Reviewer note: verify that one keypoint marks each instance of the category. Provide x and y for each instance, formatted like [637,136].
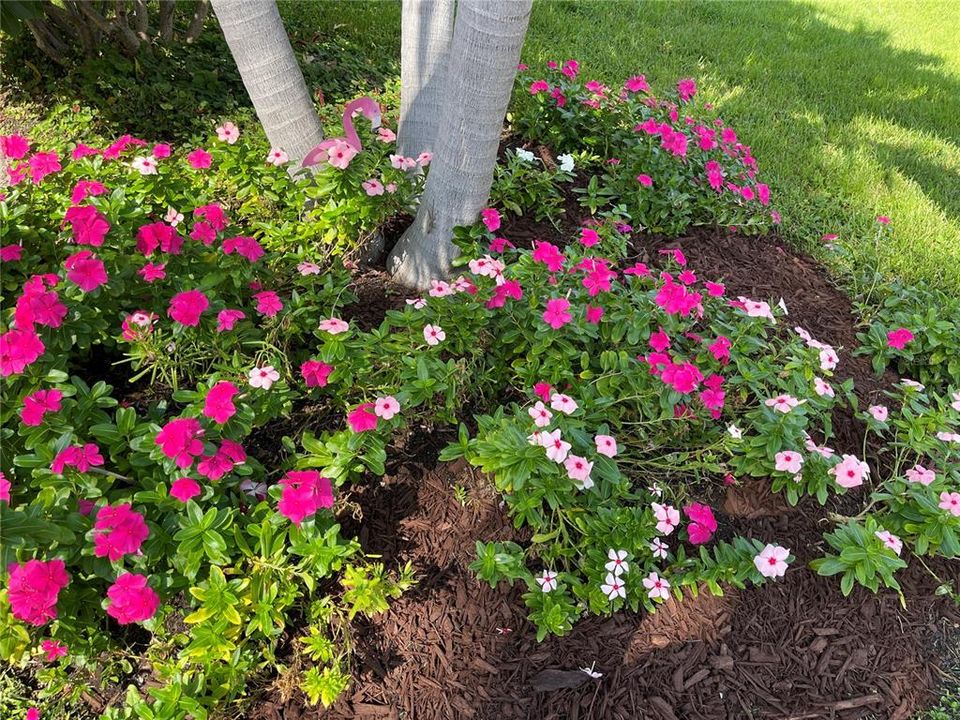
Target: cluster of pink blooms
[304,492]
[366,416]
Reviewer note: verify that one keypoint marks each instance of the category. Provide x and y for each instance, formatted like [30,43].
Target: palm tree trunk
[270,73]
[487,39]
[426,31]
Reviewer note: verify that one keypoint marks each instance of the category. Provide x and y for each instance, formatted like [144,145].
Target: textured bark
[196,22]
[271,75]
[119,29]
[48,41]
[487,39]
[167,8]
[141,19]
[426,32]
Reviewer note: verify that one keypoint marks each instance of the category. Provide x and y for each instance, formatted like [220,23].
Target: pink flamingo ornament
[366,105]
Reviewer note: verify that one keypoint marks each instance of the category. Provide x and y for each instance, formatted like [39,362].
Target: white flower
[735,432]
[563,403]
[263,377]
[659,548]
[144,165]
[783,306]
[656,490]
[434,334]
[658,587]
[547,581]
[524,155]
[566,162]
[618,562]
[591,672]
[541,416]
[613,587]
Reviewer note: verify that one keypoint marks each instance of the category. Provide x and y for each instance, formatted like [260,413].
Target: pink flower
[53,649]
[539,86]
[199,159]
[782,403]
[222,461]
[589,237]
[555,446]
[434,334]
[268,303]
[702,523]
[578,470]
[18,349]
[308,268]
[594,314]
[38,404]
[363,418]
[87,225]
[34,588]
[14,146]
[849,472]
[228,133]
[11,253]
[81,151]
[227,319]
[789,461]
[638,83]
[386,135]
[686,89]
[81,457]
[424,158]
[950,501]
[772,561]
[334,326]
[563,403]
[138,325]
[543,390]
[304,492]
[85,270]
[889,540]
[822,388]
[158,234]
[341,153]
[184,488]
[402,163]
[549,255]
[118,531]
[315,373]
[828,358]
[899,338]
[878,412]
[668,517]
[645,180]
[606,445]
[756,308]
[491,218]
[180,440]
[541,416]
[187,307]
[85,188]
[557,313]
[42,164]
[151,272]
[658,588]
[386,407]
[131,599]
[263,377]
[883,219]
[570,69]
[218,405]
[920,474]
[372,187]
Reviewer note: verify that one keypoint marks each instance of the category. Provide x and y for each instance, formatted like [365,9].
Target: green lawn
[852,108]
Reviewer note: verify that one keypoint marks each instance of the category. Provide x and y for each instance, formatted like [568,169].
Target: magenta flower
[549,255]
[87,225]
[539,86]
[132,599]
[557,313]
[85,188]
[11,253]
[686,89]
[248,247]
[159,234]
[491,218]
[645,180]
[184,488]
[570,69]
[215,466]
[227,319]
[118,531]
[85,270]
[304,492]
[268,303]
[883,219]
[151,272]
[53,649]
[594,314]
[42,164]
[34,588]
[38,404]
[18,349]
[80,457]
[14,146]
[589,237]
[180,440]
[898,338]
[218,405]
[199,159]
[315,373]
[702,523]
[186,307]
[363,418]
[638,83]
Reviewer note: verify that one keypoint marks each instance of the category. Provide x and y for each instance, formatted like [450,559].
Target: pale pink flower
[822,388]
[890,540]
[228,133]
[618,564]
[948,436]
[956,401]
[756,308]
[424,158]
[613,588]
[606,445]
[668,517]
[372,187]
[878,412]
[434,334]
[386,135]
[828,358]
[144,165]
[547,581]
[391,188]
[920,474]
[789,461]
[173,218]
[556,447]
[804,335]
[308,268]
[418,303]
[277,156]
[659,548]
[263,377]
[563,403]
[821,450]
[849,472]
[440,288]
[334,326]
[782,403]
[950,501]
[919,387]
[541,416]
[402,163]
[578,470]
[658,588]
[772,561]
[386,407]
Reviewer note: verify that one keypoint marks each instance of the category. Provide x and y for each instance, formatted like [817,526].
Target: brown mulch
[795,649]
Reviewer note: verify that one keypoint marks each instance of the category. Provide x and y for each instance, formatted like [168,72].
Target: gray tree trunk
[487,39]
[426,32]
[271,75]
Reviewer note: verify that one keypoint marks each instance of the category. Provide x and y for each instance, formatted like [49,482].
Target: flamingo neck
[369,108]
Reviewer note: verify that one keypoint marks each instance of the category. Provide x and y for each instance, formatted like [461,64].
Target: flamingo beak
[313,157]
